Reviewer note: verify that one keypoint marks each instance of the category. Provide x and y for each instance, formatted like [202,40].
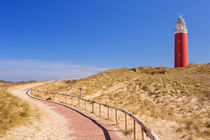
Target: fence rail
[144,129]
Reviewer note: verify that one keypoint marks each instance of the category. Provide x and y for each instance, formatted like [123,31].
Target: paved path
[83,126]
[49,126]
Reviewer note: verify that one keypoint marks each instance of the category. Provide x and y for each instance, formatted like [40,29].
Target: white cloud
[19,70]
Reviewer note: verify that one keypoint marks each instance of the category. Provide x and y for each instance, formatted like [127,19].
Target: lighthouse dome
[180,19]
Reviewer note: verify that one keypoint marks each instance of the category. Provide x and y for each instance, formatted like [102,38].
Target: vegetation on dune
[13,111]
[180,95]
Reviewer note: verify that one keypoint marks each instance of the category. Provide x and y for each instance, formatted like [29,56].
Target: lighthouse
[180,43]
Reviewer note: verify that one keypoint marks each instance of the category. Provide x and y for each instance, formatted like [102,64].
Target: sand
[49,126]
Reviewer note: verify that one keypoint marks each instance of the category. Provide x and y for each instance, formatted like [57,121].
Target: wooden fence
[75,100]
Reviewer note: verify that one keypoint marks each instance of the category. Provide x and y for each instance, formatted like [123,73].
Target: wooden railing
[64,98]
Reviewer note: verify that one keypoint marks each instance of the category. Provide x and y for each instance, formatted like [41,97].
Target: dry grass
[179,96]
[13,111]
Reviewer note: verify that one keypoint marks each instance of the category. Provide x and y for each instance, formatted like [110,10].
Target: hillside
[174,103]
[13,111]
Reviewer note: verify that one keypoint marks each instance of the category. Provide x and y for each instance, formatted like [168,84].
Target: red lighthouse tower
[180,44]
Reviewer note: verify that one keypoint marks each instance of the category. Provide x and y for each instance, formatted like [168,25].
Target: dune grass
[180,95]
[13,111]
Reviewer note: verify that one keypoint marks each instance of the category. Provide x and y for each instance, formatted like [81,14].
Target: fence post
[108,112]
[66,99]
[85,104]
[134,129]
[92,107]
[100,110]
[142,133]
[78,102]
[126,122]
[116,116]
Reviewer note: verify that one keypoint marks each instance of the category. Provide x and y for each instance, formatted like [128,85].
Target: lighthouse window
[178,41]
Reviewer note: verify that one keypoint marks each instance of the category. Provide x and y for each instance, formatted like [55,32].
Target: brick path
[83,125]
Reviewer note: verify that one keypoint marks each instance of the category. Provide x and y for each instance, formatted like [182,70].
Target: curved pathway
[82,125]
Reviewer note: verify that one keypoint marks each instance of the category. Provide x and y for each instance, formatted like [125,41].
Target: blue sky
[64,39]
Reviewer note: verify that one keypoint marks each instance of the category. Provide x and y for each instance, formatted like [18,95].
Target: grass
[13,111]
[178,95]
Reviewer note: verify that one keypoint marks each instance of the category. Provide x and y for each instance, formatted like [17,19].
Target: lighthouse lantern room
[180,43]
